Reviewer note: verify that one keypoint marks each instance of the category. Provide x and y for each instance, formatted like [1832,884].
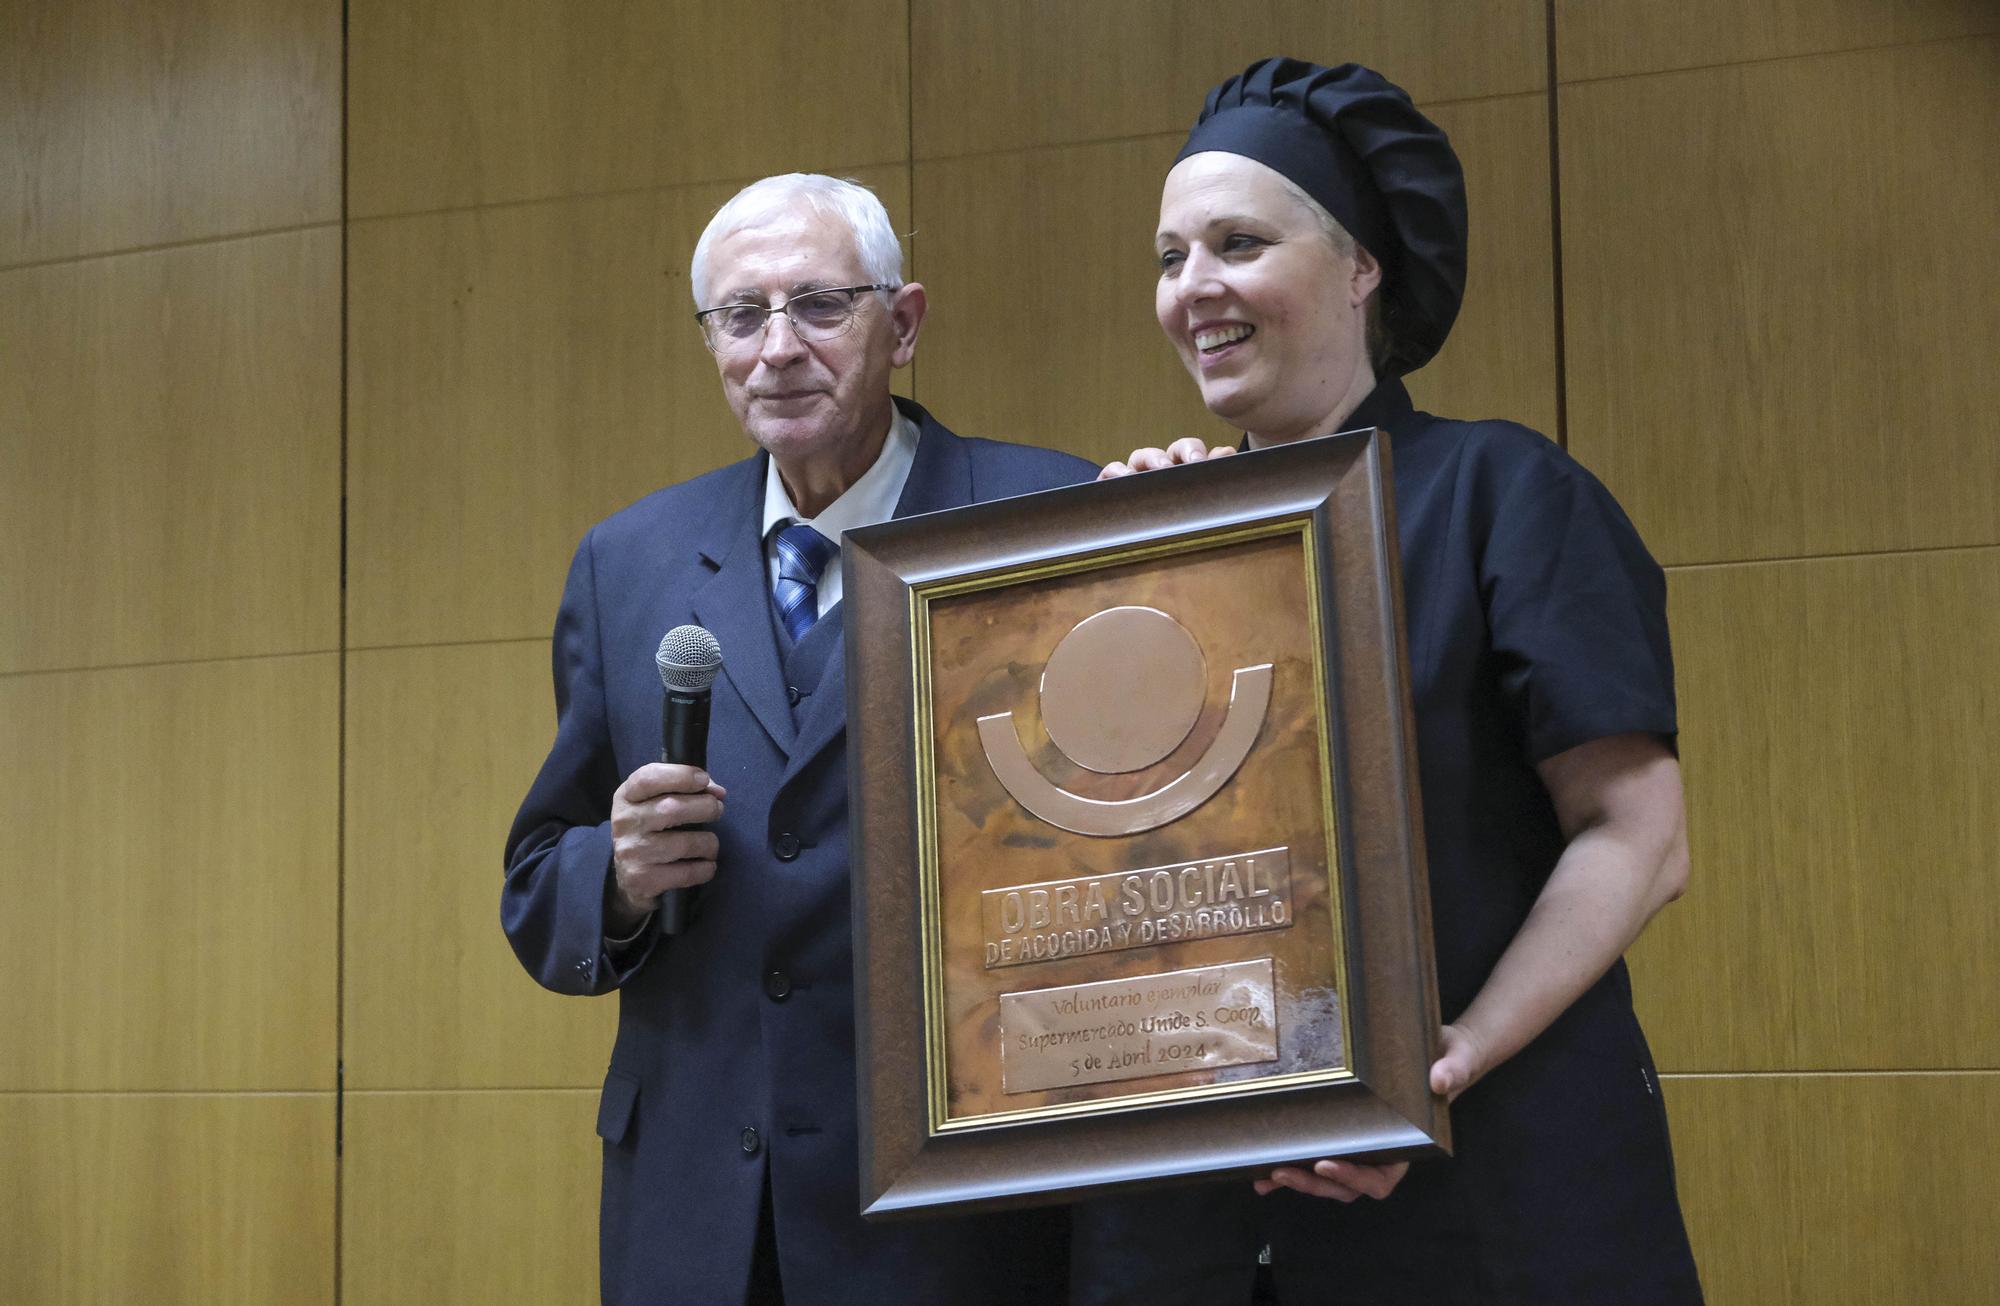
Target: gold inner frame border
[921,594]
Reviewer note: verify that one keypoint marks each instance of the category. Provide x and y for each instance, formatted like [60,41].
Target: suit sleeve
[559,850]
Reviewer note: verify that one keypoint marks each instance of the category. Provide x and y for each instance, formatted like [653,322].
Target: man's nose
[781,342]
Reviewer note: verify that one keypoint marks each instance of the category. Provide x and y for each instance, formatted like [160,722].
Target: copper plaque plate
[1103,877]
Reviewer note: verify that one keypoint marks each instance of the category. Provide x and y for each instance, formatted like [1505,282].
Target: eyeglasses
[816,315]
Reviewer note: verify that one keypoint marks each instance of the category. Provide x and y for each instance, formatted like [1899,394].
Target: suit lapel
[735,604]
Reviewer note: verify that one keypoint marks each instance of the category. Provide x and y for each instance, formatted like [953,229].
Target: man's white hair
[833,197]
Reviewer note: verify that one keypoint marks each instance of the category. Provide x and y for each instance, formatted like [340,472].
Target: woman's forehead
[1214,186]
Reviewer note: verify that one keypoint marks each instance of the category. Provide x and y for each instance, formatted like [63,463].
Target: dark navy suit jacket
[735,1049]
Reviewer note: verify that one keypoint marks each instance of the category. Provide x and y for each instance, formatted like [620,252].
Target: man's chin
[786,436]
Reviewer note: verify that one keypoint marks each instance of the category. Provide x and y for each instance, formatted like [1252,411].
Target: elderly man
[728,1113]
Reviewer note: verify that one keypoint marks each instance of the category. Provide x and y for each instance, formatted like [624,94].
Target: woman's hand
[1461,1066]
[1343,1181]
[1464,1063]
[1188,449]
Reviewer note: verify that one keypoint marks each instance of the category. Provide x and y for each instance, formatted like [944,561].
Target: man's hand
[652,851]
[1185,450]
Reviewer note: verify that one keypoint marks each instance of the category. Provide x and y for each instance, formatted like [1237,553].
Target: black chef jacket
[1537,622]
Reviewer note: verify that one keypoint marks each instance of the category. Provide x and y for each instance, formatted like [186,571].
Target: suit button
[786,847]
[778,986]
[752,1144]
[792,695]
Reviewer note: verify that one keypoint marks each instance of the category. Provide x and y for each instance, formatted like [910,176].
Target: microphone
[688,659]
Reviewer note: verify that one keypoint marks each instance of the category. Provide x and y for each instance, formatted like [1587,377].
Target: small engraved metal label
[1199,1019]
[1238,893]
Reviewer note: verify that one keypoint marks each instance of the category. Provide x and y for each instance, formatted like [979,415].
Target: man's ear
[906,317]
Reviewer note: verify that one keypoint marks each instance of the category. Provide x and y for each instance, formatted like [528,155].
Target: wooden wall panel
[1500,360]
[1617,38]
[470,102]
[470,1197]
[1042,326]
[195,1199]
[1847,1190]
[993,77]
[1782,306]
[1041,323]
[170,873]
[441,746]
[169,423]
[144,124]
[1838,726]
[515,374]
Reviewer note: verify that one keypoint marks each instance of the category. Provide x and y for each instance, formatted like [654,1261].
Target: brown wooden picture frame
[1328,503]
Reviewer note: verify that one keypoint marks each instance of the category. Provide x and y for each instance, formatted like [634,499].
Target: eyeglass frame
[854,293]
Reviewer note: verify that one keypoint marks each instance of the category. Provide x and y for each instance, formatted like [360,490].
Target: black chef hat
[1354,142]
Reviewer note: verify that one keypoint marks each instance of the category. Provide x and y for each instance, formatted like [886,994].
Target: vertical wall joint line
[340,727]
[1555,232]
[910,147]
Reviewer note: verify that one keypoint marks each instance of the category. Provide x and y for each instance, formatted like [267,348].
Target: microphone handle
[683,739]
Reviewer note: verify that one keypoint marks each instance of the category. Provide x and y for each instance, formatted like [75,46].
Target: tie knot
[803,553]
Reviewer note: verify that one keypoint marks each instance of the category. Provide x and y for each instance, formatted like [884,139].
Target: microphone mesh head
[688,659]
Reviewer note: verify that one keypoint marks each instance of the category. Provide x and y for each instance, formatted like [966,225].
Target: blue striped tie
[802,555]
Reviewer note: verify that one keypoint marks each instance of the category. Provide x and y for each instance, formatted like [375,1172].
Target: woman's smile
[1217,341]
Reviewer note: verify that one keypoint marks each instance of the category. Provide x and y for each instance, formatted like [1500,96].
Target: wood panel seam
[459,1090]
[340,724]
[1550,80]
[1969,1072]
[1177,134]
[1718,564]
[910,154]
[164,247]
[1962,38]
[22,673]
[11,1093]
[448,643]
[620,192]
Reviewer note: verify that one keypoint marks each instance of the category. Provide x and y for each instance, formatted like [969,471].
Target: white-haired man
[728,1114]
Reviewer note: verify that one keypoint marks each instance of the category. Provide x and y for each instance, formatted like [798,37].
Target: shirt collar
[1386,406]
[869,500]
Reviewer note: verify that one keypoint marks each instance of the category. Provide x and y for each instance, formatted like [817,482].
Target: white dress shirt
[869,500]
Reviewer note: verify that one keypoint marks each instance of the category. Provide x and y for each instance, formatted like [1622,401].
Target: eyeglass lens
[818,312]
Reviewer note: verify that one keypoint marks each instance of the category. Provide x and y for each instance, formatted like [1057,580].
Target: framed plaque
[1139,887]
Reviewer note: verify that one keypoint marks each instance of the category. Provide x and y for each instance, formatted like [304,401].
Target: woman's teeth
[1217,337]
